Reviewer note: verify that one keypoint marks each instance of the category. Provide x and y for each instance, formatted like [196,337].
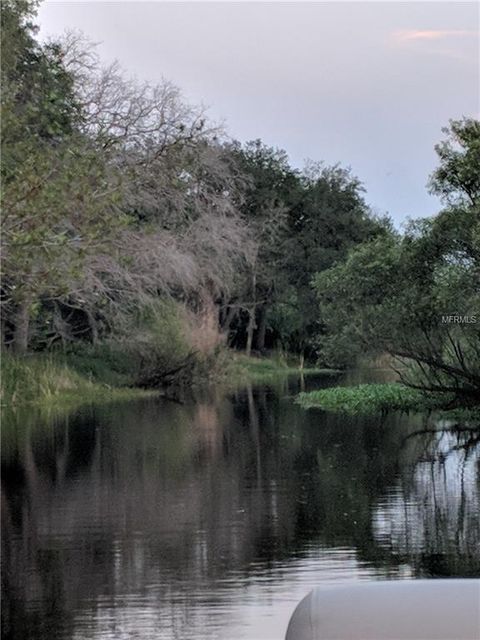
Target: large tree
[302,223]
[417,296]
[57,199]
[115,193]
[330,218]
[270,191]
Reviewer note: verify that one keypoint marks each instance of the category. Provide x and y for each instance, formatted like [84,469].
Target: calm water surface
[212,519]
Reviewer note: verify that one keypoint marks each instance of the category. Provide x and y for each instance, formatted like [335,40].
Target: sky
[366,84]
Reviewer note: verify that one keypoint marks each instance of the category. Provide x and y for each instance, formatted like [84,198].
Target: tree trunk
[262,328]
[250,330]
[302,361]
[93,327]
[22,327]
[227,321]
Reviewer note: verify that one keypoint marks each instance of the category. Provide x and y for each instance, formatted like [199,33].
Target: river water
[211,519]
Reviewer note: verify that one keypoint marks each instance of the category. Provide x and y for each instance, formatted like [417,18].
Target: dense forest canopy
[132,221]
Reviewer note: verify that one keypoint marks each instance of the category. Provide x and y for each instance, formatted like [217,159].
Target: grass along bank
[164,347]
[106,372]
[256,369]
[44,379]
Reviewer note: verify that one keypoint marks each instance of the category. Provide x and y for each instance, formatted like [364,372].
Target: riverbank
[71,380]
[49,379]
[245,369]
[104,375]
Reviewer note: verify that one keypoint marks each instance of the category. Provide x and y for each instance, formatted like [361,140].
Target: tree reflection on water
[206,510]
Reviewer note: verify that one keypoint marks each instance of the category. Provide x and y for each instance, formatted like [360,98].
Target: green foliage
[258,369]
[286,319]
[157,345]
[457,179]
[44,379]
[355,296]
[244,369]
[59,197]
[32,378]
[367,399]
[164,324]
[124,217]
[416,296]
[104,363]
[392,295]
[331,219]
[55,217]
[38,102]
[271,192]
[154,347]
[303,223]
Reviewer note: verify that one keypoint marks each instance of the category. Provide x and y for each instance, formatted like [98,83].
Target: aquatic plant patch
[370,398]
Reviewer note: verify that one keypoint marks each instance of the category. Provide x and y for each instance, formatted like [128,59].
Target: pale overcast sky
[366,84]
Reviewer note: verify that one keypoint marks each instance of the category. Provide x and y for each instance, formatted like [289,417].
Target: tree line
[416,295]
[130,218]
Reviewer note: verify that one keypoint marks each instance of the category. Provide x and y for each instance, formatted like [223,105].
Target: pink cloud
[407,35]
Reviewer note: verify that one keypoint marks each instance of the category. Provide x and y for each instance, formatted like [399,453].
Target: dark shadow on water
[212,518]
